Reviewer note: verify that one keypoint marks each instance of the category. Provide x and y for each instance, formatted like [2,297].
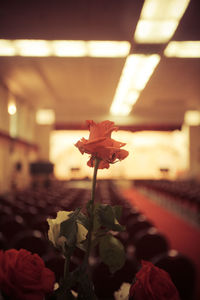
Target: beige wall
[20,148]
[42,139]
[4,118]
[194,151]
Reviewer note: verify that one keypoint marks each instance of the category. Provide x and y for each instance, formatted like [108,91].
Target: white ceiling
[83,88]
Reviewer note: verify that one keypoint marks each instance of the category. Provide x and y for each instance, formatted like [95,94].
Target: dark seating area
[23,225]
[183,196]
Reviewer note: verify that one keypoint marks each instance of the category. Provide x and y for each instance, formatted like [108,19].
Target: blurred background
[133,62]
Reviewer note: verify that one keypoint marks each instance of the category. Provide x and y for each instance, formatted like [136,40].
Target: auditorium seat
[3,242]
[149,243]
[31,240]
[12,225]
[5,210]
[181,270]
[134,225]
[128,213]
[40,223]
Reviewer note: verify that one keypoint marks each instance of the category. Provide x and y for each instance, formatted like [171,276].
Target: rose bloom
[100,145]
[123,292]
[54,230]
[23,275]
[153,283]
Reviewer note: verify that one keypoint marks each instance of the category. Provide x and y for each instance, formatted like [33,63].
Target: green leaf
[69,230]
[117,211]
[112,252]
[107,218]
[82,219]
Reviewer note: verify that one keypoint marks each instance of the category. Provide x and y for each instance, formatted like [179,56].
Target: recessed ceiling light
[45,116]
[192,117]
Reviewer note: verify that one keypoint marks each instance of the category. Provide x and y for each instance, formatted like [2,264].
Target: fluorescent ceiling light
[164,9]
[32,47]
[138,69]
[64,48]
[123,106]
[45,116]
[108,48]
[69,48]
[183,49]
[159,20]
[192,117]
[6,48]
[148,31]
[136,72]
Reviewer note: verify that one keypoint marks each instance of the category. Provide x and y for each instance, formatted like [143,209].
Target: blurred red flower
[153,283]
[101,145]
[23,275]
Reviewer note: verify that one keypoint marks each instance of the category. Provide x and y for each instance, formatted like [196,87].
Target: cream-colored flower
[123,292]
[54,230]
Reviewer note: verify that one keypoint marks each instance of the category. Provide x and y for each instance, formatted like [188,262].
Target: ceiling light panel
[184,49]
[159,20]
[69,48]
[155,32]
[108,48]
[135,75]
[32,47]
[164,9]
[7,48]
[64,48]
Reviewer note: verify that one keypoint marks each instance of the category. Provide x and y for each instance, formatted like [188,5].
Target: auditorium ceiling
[80,88]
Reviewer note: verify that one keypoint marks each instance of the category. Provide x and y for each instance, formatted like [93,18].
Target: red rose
[23,275]
[153,283]
[100,145]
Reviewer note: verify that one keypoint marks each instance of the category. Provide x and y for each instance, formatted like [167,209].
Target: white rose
[54,230]
[123,292]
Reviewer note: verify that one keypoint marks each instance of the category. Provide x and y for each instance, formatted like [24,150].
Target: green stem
[66,269]
[90,229]
[97,161]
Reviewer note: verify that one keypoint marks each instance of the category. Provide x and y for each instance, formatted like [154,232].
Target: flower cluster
[23,276]
[152,283]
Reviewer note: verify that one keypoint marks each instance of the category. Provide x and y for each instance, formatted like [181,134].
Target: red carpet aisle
[182,236]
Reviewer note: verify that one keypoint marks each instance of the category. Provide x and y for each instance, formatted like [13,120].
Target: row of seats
[23,225]
[183,197]
[184,191]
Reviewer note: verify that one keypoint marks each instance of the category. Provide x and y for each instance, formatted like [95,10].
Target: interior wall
[194,158]
[18,150]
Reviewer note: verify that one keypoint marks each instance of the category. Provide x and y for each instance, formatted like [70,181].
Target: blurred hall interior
[133,62]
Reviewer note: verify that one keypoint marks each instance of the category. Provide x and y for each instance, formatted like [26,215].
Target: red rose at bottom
[23,276]
[153,283]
